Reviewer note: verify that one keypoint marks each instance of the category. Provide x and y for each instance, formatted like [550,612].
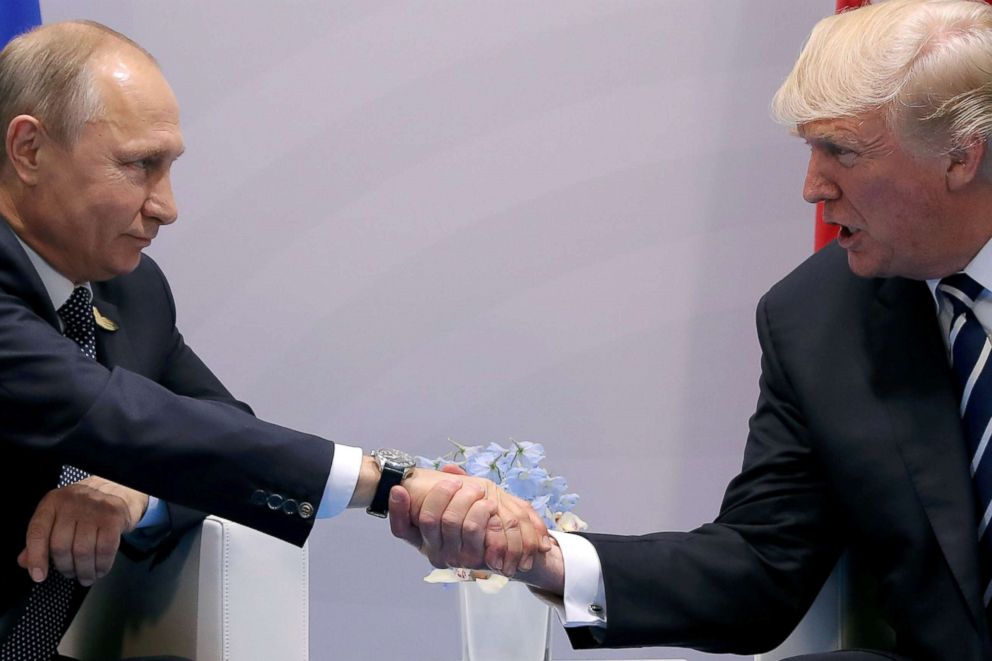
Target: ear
[24,139]
[965,164]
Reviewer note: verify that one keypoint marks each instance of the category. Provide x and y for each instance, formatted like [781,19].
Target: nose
[160,204]
[818,186]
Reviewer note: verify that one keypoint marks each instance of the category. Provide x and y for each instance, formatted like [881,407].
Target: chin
[122,267]
[861,265]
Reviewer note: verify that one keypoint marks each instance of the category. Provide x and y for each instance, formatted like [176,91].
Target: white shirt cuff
[341,482]
[584,602]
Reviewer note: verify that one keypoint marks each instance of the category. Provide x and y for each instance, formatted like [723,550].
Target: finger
[107,543]
[511,520]
[60,545]
[495,543]
[453,518]
[474,533]
[37,540]
[453,469]
[544,544]
[84,553]
[429,522]
[531,532]
[400,522]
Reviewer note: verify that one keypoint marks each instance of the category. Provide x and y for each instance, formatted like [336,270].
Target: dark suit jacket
[148,414]
[856,443]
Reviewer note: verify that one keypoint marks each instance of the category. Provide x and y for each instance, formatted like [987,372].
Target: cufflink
[596,610]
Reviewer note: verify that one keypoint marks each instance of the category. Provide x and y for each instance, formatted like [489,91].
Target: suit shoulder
[822,281]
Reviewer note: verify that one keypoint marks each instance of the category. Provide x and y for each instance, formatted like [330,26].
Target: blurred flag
[824,233]
[17,16]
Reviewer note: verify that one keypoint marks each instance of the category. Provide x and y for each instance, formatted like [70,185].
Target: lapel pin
[103,322]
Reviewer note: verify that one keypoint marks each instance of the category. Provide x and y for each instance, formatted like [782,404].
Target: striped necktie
[51,603]
[970,351]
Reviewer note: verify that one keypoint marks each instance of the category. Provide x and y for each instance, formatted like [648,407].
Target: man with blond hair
[95,378]
[875,409]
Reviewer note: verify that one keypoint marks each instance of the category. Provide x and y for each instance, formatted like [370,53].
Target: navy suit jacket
[148,414]
[856,444]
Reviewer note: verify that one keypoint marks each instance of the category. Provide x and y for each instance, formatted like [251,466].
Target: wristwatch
[395,465]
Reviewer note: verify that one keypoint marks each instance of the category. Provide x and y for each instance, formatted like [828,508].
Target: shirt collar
[979,269]
[57,286]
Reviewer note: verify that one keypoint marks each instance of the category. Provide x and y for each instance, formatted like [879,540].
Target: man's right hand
[79,528]
[461,521]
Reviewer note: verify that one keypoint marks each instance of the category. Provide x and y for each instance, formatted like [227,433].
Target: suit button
[306,510]
[274,501]
[258,498]
[289,507]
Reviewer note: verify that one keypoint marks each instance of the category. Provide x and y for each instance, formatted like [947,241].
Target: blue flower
[486,463]
[567,502]
[516,470]
[526,483]
[526,454]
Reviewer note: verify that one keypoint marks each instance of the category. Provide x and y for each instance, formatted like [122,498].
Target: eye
[844,156]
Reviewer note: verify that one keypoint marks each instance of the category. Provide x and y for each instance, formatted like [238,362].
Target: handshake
[461,521]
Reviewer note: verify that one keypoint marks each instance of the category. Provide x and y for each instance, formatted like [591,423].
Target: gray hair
[927,64]
[45,73]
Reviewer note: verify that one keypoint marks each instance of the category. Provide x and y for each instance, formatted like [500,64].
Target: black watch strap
[391,476]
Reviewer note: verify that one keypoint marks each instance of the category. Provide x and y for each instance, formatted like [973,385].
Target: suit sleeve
[194,451]
[741,583]
[183,373]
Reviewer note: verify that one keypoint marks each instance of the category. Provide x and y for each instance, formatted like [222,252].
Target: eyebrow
[150,154]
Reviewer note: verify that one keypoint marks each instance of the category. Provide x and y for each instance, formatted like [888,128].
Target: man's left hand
[79,527]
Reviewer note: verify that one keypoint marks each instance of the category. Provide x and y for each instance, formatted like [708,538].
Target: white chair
[844,615]
[226,593]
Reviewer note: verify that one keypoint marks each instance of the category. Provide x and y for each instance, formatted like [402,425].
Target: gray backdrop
[407,221]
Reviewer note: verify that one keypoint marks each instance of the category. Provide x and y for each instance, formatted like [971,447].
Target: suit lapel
[913,379]
[18,277]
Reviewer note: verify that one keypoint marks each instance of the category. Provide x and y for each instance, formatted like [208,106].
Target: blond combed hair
[927,64]
[44,73]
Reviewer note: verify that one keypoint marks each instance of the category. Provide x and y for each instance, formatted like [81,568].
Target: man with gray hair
[872,428]
[95,378]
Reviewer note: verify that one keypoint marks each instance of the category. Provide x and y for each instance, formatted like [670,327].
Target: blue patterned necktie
[970,351]
[36,635]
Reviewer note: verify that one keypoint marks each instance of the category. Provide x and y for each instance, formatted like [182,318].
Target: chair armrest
[225,592]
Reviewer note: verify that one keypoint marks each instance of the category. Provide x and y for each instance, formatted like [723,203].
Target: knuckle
[60,548]
[428,520]
[449,520]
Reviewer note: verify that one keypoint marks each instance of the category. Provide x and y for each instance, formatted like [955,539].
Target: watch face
[396,458]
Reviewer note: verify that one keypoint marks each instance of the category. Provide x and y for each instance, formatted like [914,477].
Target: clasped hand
[461,521]
[79,528]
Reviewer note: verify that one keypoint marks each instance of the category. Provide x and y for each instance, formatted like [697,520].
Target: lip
[145,242]
[846,239]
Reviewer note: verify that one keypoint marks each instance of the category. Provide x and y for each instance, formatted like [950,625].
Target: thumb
[453,469]
[400,523]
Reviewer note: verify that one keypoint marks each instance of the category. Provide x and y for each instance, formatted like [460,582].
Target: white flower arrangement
[515,469]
